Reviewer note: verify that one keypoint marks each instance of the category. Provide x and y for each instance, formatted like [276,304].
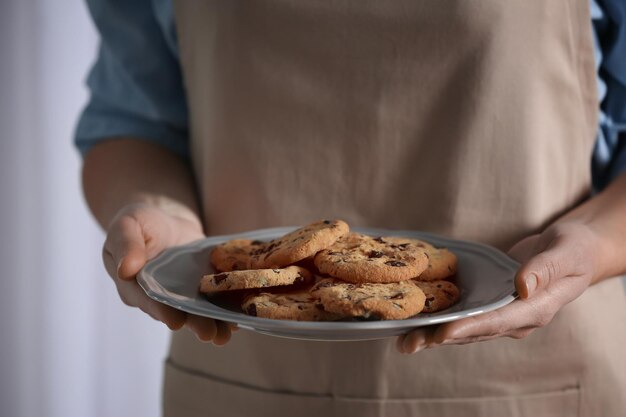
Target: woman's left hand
[557,266]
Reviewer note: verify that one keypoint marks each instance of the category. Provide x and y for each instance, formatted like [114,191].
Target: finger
[133,295]
[172,318]
[559,260]
[126,245]
[466,340]
[413,342]
[514,334]
[204,328]
[418,339]
[520,314]
[426,338]
[521,333]
[488,324]
[223,334]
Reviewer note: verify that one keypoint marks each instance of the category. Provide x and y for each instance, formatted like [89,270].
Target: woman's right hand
[138,233]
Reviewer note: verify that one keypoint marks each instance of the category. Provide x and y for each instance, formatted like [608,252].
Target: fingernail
[414,342]
[196,333]
[119,266]
[202,339]
[417,349]
[531,284]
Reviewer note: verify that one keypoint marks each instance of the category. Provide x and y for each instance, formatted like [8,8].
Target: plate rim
[155,290]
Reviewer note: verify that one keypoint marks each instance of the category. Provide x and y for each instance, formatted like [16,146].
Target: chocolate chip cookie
[299,244]
[441,262]
[257,278]
[297,305]
[234,255]
[394,301]
[358,258]
[439,295]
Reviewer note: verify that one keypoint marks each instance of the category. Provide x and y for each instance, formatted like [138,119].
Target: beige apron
[473,119]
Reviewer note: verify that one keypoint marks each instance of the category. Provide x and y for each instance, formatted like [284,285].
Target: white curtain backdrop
[68,346]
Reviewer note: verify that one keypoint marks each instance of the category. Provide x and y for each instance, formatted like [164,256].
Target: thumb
[126,248]
[545,267]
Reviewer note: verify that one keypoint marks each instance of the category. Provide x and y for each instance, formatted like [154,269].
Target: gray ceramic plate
[485,276]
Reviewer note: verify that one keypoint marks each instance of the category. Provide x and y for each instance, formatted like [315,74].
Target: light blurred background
[68,346]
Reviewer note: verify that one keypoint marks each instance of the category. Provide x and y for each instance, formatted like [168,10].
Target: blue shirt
[136,82]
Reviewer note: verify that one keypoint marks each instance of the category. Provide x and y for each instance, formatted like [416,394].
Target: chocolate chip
[375,254]
[256,242]
[379,239]
[429,300]
[277,271]
[334,253]
[300,307]
[220,277]
[395,263]
[251,310]
[270,247]
[398,296]
[319,306]
[299,278]
[327,222]
[257,252]
[404,245]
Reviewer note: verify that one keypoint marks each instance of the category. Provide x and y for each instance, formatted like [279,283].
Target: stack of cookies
[323,272]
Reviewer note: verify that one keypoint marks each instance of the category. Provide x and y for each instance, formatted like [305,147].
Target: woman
[475,120]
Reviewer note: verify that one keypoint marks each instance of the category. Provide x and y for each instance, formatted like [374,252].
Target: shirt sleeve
[135,83]
[609,23]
